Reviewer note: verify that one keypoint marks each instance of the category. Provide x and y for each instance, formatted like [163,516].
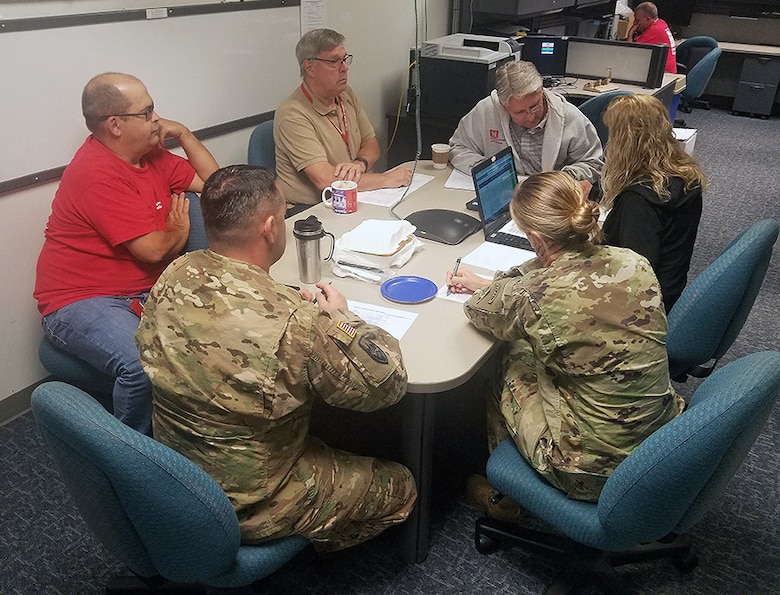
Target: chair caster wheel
[486,545]
[685,563]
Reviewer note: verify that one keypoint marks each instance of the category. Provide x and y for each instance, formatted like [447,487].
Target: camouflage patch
[373,350]
[347,329]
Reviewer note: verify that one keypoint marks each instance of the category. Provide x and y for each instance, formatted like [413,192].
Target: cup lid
[309,226]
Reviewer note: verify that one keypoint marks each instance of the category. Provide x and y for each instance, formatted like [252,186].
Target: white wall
[379,33]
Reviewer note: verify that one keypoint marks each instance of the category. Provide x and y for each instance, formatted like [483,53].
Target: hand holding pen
[461,280]
[454,272]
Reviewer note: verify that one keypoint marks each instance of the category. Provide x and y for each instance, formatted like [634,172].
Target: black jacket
[663,231]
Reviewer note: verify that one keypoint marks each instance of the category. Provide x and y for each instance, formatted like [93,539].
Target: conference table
[441,350]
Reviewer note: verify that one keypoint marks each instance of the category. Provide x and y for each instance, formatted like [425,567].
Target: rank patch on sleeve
[347,329]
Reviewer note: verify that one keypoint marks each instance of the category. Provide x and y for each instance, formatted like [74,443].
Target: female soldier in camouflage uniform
[584,375]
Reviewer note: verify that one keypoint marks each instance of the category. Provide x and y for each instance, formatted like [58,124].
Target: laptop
[495,180]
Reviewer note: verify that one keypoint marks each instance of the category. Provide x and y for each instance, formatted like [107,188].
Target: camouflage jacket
[587,334]
[235,360]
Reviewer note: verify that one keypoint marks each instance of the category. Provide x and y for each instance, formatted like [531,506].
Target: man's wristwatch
[363,161]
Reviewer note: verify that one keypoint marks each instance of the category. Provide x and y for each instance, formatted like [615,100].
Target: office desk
[748,73]
[437,130]
[441,350]
[671,85]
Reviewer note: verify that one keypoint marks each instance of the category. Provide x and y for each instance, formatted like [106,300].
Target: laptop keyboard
[508,239]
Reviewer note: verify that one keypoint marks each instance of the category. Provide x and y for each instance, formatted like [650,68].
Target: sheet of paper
[395,322]
[387,197]
[313,15]
[495,257]
[459,181]
[457,297]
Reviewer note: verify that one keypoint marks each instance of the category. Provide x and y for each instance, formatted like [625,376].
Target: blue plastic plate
[409,289]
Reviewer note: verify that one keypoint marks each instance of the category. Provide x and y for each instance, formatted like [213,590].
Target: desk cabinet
[757,85]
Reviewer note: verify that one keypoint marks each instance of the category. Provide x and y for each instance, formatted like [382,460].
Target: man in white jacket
[545,131]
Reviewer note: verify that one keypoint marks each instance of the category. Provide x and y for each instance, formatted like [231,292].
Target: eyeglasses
[531,111]
[145,114]
[336,62]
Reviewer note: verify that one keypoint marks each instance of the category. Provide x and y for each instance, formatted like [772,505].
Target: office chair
[696,80]
[709,314]
[73,370]
[262,152]
[68,368]
[261,146]
[197,239]
[693,49]
[654,496]
[152,508]
[594,108]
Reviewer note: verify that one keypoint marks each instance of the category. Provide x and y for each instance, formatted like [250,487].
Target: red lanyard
[344,135]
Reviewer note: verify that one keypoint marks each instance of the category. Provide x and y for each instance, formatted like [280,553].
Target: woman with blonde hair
[653,188]
[583,374]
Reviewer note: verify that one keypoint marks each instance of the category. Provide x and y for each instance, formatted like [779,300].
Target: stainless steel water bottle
[308,233]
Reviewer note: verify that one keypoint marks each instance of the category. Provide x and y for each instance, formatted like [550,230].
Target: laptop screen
[495,179]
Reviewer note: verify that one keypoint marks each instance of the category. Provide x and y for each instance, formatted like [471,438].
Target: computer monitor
[630,63]
[547,53]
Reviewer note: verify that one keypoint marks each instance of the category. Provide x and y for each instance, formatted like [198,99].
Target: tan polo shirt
[305,134]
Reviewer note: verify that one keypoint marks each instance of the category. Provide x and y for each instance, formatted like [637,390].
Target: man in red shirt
[118,218]
[651,29]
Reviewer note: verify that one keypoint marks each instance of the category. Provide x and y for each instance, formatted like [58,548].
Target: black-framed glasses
[145,114]
[336,62]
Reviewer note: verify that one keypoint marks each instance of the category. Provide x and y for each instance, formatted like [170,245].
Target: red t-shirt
[103,201]
[659,32]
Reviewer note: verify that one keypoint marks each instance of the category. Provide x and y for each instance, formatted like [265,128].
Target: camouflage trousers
[352,498]
[515,408]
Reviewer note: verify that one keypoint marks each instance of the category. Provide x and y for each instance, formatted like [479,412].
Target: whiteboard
[201,70]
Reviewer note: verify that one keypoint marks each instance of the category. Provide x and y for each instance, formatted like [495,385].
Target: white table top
[441,350]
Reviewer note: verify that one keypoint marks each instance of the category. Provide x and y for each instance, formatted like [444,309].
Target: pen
[454,272]
[355,265]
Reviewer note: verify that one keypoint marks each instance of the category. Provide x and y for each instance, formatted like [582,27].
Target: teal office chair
[709,314]
[653,497]
[594,108]
[693,49]
[262,152]
[696,80]
[152,508]
[261,149]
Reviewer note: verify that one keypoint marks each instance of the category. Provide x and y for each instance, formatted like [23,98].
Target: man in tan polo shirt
[321,131]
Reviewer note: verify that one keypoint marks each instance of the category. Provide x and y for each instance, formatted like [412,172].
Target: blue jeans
[101,331]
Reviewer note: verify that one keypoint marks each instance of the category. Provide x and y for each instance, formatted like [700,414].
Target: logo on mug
[341,196]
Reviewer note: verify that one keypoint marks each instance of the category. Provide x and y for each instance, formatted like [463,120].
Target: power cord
[416,77]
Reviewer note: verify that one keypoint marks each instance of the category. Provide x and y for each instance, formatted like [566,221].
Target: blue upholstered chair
[653,497]
[693,49]
[699,72]
[152,508]
[197,239]
[261,146]
[594,108]
[709,315]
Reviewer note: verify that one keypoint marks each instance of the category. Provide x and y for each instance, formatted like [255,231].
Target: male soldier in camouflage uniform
[584,377]
[236,360]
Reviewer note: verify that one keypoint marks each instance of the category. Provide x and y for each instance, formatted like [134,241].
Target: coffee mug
[343,196]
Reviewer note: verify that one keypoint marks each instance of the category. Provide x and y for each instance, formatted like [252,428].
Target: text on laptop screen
[496,185]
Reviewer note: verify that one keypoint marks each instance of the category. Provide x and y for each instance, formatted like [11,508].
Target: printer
[458,70]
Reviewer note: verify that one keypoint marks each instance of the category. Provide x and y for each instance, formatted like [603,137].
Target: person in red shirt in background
[648,28]
[118,218]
